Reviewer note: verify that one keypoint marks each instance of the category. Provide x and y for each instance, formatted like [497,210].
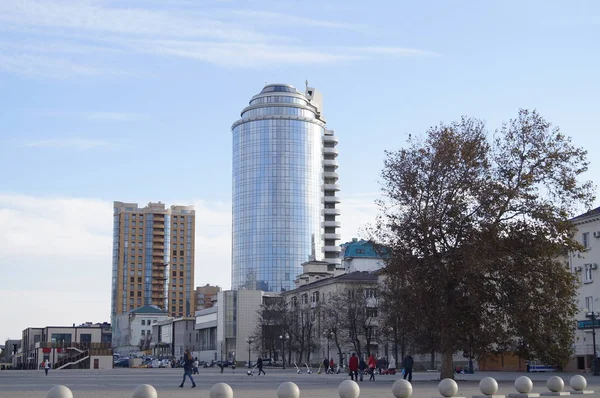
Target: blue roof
[360,248]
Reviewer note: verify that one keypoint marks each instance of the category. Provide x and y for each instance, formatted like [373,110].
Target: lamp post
[593,316]
[249,340]
[283,338]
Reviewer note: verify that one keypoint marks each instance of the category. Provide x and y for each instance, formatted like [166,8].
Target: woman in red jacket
[372,365]
[353,365]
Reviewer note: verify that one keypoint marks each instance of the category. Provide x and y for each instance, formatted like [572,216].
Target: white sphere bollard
[555,384]
[578,383]
[59,392]
[221,390]
[349,389]
[145,391]
[488,386]
[523,384]
[288,390]
[402,389]
[448,388]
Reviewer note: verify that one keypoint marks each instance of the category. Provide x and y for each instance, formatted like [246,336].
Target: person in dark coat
[408,366]
[362,366]
[325,366]
[259,365]
[187,368]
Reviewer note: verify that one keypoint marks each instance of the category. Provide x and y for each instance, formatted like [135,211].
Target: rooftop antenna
[306,82]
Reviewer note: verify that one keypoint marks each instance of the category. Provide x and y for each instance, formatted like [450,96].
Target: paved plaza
[121,383]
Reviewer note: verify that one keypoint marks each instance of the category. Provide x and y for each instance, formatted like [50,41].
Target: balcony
[331,174]
[332,249]
[332,212]
[161,276]
[332,236]
[158,239]
[331,187]
[330,151]
[331,199]
[334,224]
[331,163]
[330,138]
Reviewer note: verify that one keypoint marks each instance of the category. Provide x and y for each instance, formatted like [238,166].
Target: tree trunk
[447,369]
[432,360]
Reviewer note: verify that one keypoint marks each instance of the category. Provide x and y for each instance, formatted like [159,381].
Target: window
[585,239]
[143,322]
[139,294]
[360,251]
[370,293]
[305,299]
[315,297]
[588,276]
[131,294]
[132,279]
[143,332]
[85,338]
[371,312]
[294,302]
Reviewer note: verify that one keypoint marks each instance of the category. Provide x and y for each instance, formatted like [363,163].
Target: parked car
[122,362]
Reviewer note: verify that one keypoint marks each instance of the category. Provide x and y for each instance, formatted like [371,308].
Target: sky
[133,100]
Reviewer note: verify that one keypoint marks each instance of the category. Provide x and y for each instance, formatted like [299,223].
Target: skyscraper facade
[153,258]
[284,189]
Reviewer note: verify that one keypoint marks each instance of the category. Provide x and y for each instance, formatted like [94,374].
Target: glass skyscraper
[284,189]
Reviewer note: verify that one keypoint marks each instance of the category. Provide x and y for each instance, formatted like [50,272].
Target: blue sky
[133,100]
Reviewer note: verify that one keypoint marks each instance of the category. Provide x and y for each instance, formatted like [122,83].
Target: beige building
[317,284]
[205,296]
[86,346]
[153,258]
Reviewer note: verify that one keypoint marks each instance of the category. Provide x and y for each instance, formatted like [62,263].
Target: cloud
[114,116]
[60,38]
[78,144]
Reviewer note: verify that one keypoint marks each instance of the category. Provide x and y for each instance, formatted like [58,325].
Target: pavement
[120,383]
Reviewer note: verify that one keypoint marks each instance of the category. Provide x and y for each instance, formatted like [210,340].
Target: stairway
[76,357]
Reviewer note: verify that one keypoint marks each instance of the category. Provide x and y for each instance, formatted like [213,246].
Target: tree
[476,227]
[333,324]
[360,320]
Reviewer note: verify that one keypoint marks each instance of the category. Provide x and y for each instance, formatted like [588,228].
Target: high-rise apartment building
[205,295]
[284,189]
[153,258]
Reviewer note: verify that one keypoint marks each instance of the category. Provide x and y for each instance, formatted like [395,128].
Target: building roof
[147,309]
[360,248]
[352,277]
[593,212]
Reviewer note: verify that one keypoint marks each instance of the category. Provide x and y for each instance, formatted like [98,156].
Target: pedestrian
[408,365]
[331,366]
[353,366]
[187,368]
[259,365]
[196,364]
[326,366]
[47,366]
[372,362]
[362,366]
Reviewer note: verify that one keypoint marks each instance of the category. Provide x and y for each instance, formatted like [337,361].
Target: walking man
[353,366]
[46,366]
[408,365]
[259,365]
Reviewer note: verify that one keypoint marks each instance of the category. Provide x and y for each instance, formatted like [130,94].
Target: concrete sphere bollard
[349,389]
[488,386]
[221,390]
[523,384]
[402,389]
[145,391]
[59,392]
[555,384]
[578,383]
[448,388]
[288,390]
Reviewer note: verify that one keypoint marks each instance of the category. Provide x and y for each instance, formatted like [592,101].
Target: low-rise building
[585,266]
[171,337]
[133,330]
[206,329]
[9,351]
[67,347]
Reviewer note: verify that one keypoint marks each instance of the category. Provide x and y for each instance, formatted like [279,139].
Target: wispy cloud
[62,38]
[79,144]
[114,116]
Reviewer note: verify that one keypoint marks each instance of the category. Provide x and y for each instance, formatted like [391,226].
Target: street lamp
[249,340]
[283,338]
[593,316]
